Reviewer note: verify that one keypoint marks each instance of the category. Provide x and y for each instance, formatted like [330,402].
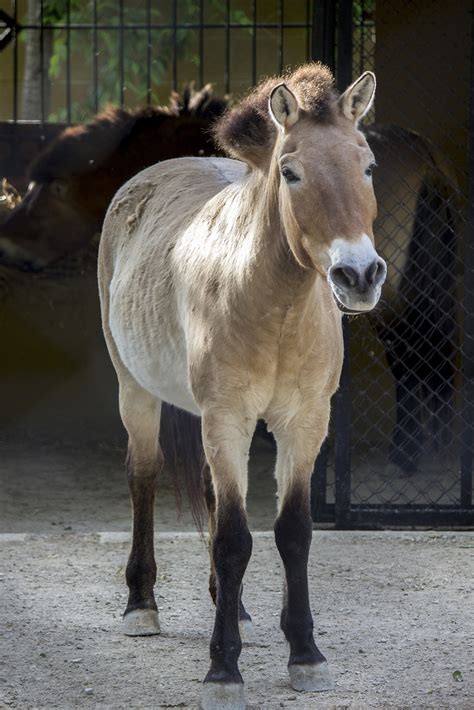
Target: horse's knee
[293,526]
[232,544]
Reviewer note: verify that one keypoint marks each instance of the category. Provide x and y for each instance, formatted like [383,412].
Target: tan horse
[222,284]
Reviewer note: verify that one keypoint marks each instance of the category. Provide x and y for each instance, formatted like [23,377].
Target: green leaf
[457,675]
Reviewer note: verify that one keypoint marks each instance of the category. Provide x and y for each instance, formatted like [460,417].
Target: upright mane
[81,149]
[247,132]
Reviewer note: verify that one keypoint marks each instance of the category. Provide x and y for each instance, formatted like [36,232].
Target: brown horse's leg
[244,617]
[307,666]
[226,451]
[140,413]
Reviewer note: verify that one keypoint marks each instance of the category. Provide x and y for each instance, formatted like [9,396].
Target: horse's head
[327,202]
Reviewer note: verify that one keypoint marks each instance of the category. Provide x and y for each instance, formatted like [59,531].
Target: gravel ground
[392,610]
[392,616]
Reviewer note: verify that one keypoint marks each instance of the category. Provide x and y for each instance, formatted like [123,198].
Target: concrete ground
[393,610]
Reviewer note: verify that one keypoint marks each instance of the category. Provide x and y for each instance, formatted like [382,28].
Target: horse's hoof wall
[141,622]
[311,678]
[247,630]
[223,696]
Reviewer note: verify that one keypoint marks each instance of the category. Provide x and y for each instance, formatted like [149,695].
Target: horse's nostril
[344,276]
[375,273]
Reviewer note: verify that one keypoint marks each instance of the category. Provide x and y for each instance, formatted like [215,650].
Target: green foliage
[164,44]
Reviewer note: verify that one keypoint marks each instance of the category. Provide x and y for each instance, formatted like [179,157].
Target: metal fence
[400,450]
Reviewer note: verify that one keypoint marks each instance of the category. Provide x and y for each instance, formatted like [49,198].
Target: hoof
[223,696]
[314,677]
[141,622]
[247,630]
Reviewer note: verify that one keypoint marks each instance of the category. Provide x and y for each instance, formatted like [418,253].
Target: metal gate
[400,450]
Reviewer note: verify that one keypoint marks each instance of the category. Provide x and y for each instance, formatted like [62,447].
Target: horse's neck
[273,267]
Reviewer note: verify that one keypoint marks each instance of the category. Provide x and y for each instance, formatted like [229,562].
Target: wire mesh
[408,425]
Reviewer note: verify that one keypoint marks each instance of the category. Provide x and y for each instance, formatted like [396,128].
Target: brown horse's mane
[83,148]
[247,132]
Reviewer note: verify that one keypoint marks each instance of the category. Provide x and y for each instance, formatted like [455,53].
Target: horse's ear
[358,98]
[283,107]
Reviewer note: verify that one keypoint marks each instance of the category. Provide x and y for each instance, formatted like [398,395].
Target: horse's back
[136,275]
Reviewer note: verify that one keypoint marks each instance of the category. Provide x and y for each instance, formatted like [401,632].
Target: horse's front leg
[307,666]
[226,443]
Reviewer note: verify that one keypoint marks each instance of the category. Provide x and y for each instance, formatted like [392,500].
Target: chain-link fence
[400,449]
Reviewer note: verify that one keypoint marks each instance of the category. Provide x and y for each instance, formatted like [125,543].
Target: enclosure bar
[343,398]
[227,48]
[174,27]
[201,44]
[121,54]
[164,26]
[148,53]
[342,435]
[42,101]
[323,32]
[280,36]
[309,27]
[15,61]
[344,44]
[254,42]
[365,516]
[68,61]
[468,341]
[95,57]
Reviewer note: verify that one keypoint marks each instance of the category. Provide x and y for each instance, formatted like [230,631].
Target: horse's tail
[430,282]
[181,443]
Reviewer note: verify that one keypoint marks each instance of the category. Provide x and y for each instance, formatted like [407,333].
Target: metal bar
[324,32]
[342,435]
[280,36]
[380,516]
[121,54]
[468,340]
[15,61]
[164,26]
[308,30]
[68,61]
[227,48]
[42,60]
[344,44]
[201,44]
[254,42]
[95,57]
[174,27]
[148,53]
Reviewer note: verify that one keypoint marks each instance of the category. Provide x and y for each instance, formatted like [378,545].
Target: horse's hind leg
[140,414]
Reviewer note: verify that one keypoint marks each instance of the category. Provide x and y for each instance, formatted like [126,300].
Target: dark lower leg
[211,509]
[231,552]
[141,567]
[293,530]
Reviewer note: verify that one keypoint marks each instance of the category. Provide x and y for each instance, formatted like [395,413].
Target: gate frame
[331,20]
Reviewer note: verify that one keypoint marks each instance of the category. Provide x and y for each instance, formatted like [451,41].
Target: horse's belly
[158,364]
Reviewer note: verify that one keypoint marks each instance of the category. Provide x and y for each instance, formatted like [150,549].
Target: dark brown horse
[74,179]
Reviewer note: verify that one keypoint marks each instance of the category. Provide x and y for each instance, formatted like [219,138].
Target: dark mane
[81,149]
[247,132]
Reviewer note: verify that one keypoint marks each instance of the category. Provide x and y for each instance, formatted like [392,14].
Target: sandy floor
[392,610]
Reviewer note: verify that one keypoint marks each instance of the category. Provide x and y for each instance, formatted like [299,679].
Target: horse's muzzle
[357,289]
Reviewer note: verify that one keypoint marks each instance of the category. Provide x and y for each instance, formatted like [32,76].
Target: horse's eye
[370,169]
[289,175]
